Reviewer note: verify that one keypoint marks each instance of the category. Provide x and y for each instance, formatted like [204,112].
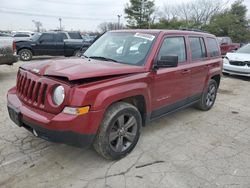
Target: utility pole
[119,20]
[60,20]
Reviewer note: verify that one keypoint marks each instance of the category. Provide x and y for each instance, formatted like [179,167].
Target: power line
[79,3]
[25,13]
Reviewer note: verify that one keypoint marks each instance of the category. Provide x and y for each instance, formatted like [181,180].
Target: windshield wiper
[102,58]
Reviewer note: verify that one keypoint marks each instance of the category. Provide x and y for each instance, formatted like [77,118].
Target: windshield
[36,36]
[244,50]
[122,47]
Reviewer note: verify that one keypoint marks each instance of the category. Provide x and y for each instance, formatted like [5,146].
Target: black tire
[112,140]
[77,53]
[25,55]
[209,96]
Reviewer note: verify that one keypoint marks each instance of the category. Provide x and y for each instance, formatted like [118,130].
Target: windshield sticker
[145,36]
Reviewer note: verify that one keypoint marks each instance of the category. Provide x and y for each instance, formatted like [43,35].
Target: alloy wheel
[211,94]
[123,133]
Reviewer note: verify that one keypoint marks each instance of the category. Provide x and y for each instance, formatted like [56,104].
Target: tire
[25,55]
[208,97]
[77,53]
[121,121]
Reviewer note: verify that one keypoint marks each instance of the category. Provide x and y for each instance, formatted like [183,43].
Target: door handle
[185,72]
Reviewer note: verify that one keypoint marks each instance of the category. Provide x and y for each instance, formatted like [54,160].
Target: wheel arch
[217,78]
[139,97]
[27,48]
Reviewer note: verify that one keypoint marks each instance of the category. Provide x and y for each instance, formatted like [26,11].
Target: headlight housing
[58,95]
[225,60]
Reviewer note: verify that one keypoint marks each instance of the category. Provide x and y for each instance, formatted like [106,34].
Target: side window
[46,37]
[213,47]
[74,35]
[197,48]
[174,46]
[60,37]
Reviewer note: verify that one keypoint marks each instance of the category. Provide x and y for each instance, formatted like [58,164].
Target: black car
[48,43]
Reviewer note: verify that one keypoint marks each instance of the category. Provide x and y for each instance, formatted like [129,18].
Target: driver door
[171,85]
[45,45]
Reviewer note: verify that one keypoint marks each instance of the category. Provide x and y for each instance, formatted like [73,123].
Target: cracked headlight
[58,95]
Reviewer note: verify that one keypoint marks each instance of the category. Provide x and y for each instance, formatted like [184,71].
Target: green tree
[173,23]
[139,13]
[232,23]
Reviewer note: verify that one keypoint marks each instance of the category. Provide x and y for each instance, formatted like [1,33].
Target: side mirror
[167,61]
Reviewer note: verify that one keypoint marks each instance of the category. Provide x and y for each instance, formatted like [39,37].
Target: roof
[166,31]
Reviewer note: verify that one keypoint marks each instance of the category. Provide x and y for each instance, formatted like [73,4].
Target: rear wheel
[209,96]
[119,131]
[25,55]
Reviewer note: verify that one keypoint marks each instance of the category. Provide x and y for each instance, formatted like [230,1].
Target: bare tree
[38,24]
[107,26]
[197,12]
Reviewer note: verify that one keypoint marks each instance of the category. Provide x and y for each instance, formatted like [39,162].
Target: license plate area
[15,115]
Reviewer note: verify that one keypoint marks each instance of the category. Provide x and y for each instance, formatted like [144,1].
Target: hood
[76,69]
[238,56]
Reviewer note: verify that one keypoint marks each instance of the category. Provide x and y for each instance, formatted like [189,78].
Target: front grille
[240,63]
[31,91]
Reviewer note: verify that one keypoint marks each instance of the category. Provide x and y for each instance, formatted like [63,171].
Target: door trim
[158,113]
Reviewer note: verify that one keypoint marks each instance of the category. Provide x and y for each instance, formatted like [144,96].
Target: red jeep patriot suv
[124,80]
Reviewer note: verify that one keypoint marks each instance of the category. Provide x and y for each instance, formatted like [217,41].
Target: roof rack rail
[196,30]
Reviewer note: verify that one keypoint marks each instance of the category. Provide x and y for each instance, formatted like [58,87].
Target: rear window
[75,35]
[197,48]
[213,47]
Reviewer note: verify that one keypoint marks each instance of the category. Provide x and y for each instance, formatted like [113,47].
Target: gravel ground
[189,148]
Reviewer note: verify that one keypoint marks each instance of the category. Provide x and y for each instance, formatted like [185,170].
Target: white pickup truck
[7,51]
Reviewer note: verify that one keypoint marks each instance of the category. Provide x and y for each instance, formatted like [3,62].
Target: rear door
[170,89]
[199,63]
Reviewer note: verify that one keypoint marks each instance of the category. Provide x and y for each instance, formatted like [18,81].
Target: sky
[75,14]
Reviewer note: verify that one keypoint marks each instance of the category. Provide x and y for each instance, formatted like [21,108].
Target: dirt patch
[225,92]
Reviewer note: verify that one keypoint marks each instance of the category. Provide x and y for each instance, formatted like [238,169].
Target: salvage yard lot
[189,148]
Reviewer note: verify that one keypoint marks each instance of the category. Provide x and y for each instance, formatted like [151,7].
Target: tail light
[14,47]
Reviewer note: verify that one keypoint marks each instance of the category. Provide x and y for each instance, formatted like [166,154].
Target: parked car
[48,43]
[5,35]
[238,62]
[226,45]
[7,51]
[22,36]
[106,97]
[87,42]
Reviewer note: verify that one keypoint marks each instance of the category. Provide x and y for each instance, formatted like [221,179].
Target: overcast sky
[75,14]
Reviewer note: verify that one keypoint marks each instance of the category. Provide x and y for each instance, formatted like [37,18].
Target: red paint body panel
[159,88]
[225,48]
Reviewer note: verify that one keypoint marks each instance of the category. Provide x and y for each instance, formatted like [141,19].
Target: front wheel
[209,96]
[119,131]
[78,53]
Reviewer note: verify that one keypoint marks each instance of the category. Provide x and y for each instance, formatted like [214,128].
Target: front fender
[108,96]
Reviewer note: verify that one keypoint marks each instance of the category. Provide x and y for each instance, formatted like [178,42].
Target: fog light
[76,111]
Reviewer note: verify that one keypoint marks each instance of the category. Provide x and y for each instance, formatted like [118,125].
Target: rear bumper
[236,70]
[78,131]
[8,59]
